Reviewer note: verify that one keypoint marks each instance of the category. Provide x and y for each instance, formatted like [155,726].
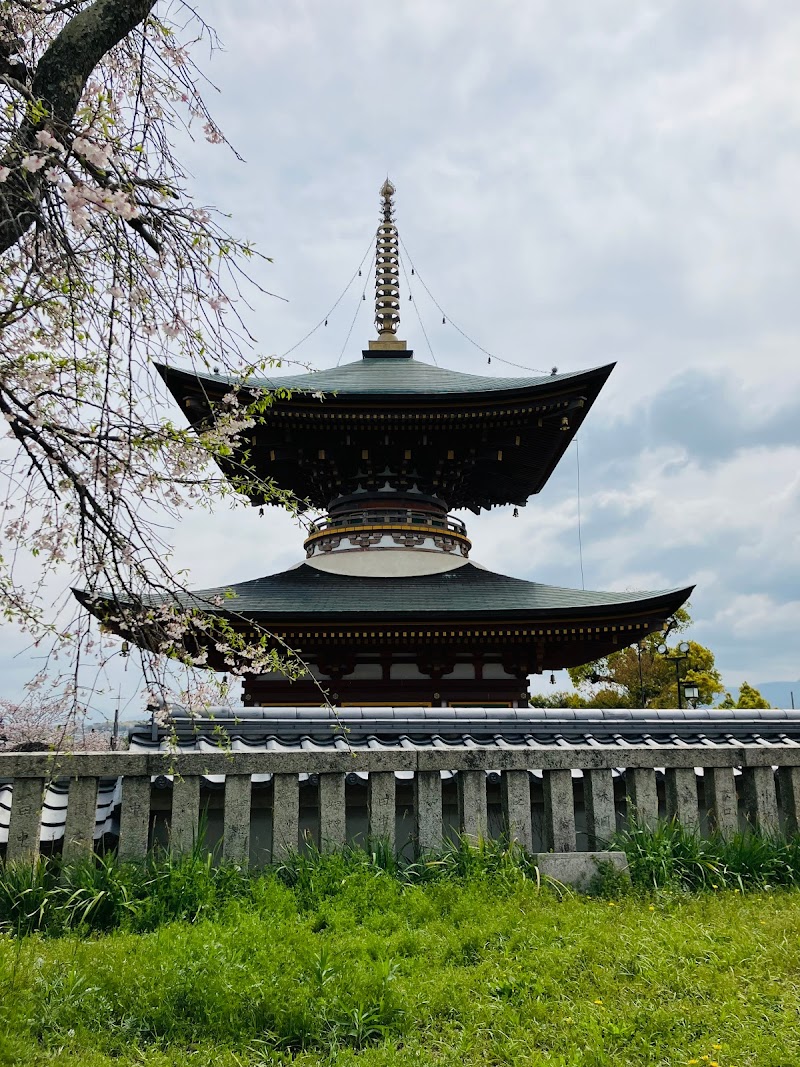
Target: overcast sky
[577,183]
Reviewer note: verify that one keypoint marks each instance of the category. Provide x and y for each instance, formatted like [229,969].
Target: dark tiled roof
[369,377]
[424,727]
[467,591]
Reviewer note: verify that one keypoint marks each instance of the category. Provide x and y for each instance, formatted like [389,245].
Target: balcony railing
[258,805]
[387,517]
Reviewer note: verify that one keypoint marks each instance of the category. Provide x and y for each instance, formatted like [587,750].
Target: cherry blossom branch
[58,83]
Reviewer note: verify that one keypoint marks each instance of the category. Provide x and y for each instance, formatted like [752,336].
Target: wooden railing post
[472,811]
[134,819]
[26,819]
[285,815]
[428,810]
[559,811]
[236,819]
[381,806]
[598,803]
[516,794]
[332,813]
[681,795]
[81,819]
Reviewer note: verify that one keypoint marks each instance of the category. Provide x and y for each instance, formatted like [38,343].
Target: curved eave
[107,610]
[477,389]
[353,601]
[657,605]
[553,637]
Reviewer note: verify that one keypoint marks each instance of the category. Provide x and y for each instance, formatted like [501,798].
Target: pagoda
[388,608]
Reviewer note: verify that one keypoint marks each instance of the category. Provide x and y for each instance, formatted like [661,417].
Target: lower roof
[467,608]
[470,592]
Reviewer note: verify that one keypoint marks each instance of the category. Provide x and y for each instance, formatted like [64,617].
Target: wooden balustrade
[531,795]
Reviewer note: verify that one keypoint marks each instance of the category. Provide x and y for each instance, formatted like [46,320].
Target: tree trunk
[58,82]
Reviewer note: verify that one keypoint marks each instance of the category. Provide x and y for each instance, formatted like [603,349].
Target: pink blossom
[47,140]
[4,173]
[80,220]
[33,163]
[98,155]
[213,135]
[177,55]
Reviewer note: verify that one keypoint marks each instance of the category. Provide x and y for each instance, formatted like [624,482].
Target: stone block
[578,868]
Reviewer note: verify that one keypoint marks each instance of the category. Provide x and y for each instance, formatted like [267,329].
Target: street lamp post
[691,692]
[682,652]
[641,678]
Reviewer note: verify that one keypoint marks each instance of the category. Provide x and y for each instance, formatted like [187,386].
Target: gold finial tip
[387,189]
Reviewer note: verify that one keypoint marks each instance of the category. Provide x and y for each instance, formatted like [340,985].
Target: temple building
[422,652]
[388,609]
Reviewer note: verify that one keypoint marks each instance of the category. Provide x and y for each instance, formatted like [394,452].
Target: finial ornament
[387,275]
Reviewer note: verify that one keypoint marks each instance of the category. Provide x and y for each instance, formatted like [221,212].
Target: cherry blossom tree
[106,264]
[48,719]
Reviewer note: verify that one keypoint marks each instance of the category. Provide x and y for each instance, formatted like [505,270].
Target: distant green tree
[560,699]
[640,677]
[749,697]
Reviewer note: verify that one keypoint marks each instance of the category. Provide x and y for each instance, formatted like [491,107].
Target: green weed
[670,855]
[101,895]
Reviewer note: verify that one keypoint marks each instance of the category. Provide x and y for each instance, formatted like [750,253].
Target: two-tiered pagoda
[387,608]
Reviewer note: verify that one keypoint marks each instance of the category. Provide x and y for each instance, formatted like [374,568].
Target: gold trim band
[427,531]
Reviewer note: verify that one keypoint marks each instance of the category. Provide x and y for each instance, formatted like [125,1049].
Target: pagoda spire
[387,276]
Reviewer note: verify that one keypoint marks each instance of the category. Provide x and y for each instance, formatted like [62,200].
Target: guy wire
[580,538]
[358,308]
[416,309]
[486,352]
[323,321]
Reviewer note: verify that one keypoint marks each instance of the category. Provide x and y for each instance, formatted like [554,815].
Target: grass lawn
[360,968]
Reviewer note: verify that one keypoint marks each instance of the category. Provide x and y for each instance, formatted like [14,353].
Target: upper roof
[471,440]
[396,375]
